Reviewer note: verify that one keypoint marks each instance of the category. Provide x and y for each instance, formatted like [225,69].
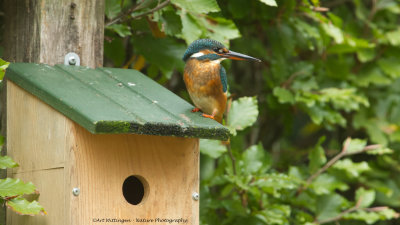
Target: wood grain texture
[31,128]
[44,31]
[103,162]
[57,155]
[39,138]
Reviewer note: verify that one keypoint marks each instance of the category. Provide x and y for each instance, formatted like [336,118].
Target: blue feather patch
[209,56]
[224,79]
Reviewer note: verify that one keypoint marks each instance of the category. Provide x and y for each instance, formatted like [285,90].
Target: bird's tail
[218,118]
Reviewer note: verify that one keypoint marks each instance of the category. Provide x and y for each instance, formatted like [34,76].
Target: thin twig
[343,153]
[242,193]
[160,6]
[228,143]
[320,9]
[131,10]
[338,217]
[233,159]
[330,163]
[122,15]
[355,208]
[291,78]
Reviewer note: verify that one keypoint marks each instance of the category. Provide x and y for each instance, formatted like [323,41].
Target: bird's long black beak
[239,56]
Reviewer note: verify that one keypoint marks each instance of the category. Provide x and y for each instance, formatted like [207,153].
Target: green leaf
[121,29]
[198,6]
[371,217]
[371,76]
[23,207]
[283,95]
[191,29]
[255,159]
[351,168]
[380,151]
[273,183]
[7,162]
[171,22]
[3,67]
[165,53]
[317,156]
[334,32]
[390,66]
[355,145]
[243,113]
[112,8]
[366,54]
[326,184]
[12,187]
[219,29]
[365,198]
[394,37]
[269,2]
[329,206]
[274,214]
[212,148]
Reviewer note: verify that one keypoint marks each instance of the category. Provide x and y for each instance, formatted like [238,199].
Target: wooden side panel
[38,139]
[50,184]
[36,133]
[102,163]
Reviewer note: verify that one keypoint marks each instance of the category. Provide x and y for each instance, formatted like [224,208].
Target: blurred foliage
[330,71]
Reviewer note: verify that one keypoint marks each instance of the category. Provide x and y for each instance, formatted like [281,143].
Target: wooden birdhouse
[104,146]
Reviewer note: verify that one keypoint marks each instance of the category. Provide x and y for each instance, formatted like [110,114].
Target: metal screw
[76,191]
[72,61]
[195,196]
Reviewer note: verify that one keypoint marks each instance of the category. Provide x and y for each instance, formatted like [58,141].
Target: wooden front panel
[102,163]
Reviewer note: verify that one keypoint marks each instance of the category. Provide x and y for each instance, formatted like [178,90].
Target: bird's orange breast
[203,82]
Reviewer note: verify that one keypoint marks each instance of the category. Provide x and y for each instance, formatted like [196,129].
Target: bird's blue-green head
[207,49]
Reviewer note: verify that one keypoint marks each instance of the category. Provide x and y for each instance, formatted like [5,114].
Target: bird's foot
[195,109]
[208,116]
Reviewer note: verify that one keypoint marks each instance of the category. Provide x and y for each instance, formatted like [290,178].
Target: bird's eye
[219,50]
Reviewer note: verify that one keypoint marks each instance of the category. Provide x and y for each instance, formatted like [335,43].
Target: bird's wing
[224,81]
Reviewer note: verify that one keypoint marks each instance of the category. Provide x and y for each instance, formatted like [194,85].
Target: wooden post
[44,31]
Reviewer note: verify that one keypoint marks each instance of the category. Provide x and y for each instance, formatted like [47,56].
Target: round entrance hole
[135,189]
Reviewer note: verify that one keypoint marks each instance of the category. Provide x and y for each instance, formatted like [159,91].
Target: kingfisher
[205,77]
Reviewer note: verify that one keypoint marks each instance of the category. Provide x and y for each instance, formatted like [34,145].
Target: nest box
[104,146]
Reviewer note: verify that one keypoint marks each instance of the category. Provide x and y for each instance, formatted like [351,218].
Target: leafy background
[315,126]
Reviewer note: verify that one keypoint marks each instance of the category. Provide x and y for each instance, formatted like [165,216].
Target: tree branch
[242,193]
[334,160]
[228,143]
[352,209]
[158,7]
[131,10]
[121,15]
